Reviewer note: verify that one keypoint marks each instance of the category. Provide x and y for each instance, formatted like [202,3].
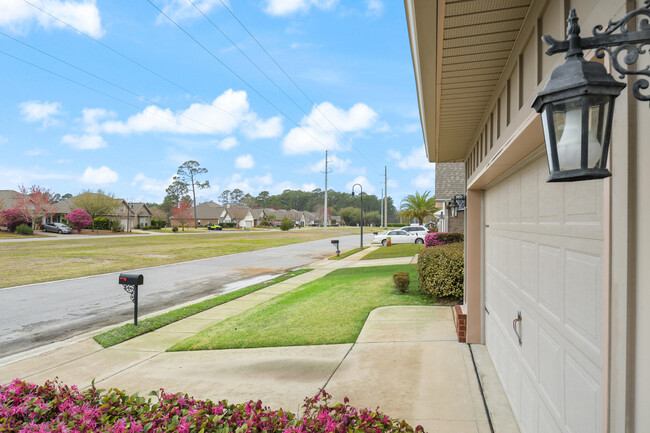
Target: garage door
[544,259]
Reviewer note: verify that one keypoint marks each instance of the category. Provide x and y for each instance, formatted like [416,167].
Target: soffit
[477,40]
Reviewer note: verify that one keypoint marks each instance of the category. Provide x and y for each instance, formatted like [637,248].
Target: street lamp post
[361,195]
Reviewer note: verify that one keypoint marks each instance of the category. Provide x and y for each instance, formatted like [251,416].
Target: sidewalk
[406,360]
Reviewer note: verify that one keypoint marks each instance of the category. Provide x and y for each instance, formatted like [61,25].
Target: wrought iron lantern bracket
[629,44]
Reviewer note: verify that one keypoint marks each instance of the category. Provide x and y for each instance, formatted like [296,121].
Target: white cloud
[244,161]
[425,180]
[183,9]
[99,176]
[18,16]
[10,177]
[336,165]
[145,183]
[288,7]
[92,118]
[368,188]
[309,187]
[228,112]
[411,127]
[417,159]
[228,143]
[35,152]
[35,111]
[375,7]
[84,142]
[3,139]
[319,130]
[264,128]
[255,184]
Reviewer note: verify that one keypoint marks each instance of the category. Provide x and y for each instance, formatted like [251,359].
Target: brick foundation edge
[461,324]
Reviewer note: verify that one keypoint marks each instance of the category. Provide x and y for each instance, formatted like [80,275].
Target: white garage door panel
[543,257]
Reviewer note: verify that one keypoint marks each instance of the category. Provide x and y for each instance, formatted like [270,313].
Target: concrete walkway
[406,360]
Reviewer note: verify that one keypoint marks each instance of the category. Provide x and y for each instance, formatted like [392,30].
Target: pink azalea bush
[55,407]
[441,238]
[79,219]
[14,217]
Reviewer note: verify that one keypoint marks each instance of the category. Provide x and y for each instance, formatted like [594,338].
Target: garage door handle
[514,326]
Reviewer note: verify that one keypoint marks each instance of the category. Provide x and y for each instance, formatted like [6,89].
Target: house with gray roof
[450,181]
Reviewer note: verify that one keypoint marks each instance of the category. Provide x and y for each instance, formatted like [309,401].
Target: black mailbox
[131,279]
[335,242]
[130,282]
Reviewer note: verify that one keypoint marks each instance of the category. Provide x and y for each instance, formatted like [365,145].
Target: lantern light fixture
[577,104]
[453,208]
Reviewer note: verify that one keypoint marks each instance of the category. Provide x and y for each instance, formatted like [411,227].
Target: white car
[419,231]
[398,237]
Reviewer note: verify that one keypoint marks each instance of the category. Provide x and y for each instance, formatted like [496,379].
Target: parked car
[56,228]
[419,231]
[214,227]
[397,237]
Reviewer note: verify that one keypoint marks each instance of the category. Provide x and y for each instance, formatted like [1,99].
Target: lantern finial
[573,35]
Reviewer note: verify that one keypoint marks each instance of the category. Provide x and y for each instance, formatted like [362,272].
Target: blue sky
[77,114]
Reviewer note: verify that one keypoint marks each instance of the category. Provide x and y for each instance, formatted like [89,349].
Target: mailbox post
[130,282]
[335,242]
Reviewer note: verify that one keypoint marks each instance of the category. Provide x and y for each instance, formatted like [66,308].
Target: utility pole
[325,210]
[386,196]
[381,224]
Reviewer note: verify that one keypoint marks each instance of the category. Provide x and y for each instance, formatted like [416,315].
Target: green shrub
[264,224]
[440,271]
[286,224]
[116,226]
[24,229]
[228,225]
[102,223]
[175,229]
[402,281]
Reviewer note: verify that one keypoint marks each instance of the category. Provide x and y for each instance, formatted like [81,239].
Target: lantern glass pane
[599,107]
[567,119]
[549,135]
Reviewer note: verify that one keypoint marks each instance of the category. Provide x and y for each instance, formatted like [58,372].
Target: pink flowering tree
[79,219]
[14,217]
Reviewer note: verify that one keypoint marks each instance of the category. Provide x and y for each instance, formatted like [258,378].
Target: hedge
[440,271]
[442,238]
[54,407]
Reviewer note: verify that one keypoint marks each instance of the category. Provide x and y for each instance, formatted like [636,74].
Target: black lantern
[453,208]
[577,106]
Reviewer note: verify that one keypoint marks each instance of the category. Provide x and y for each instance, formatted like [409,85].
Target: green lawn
[400,250]
[347,253]
[128,331]
[10,235]
[49,260]
[330,310]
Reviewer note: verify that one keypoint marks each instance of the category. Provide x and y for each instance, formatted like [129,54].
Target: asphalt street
[39,314]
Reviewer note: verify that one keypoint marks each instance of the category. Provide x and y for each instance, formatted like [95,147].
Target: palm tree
[418,206]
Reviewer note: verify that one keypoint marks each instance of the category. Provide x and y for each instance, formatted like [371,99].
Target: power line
[135,62]
[289,78]
[232,71]
[78,83]
[277,86]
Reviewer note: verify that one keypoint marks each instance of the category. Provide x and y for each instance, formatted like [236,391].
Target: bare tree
[186,175]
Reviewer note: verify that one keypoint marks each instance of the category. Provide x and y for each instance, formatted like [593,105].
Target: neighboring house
[9,198]
[258,216]
[133,214]
[565,263]
[335,220]
[240,215]
[450,181]
[209,213]
[294,216]
[310,219]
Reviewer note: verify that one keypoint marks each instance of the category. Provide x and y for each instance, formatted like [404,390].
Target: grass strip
[400,250]
[126,332]
[347,253]
[329,310]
